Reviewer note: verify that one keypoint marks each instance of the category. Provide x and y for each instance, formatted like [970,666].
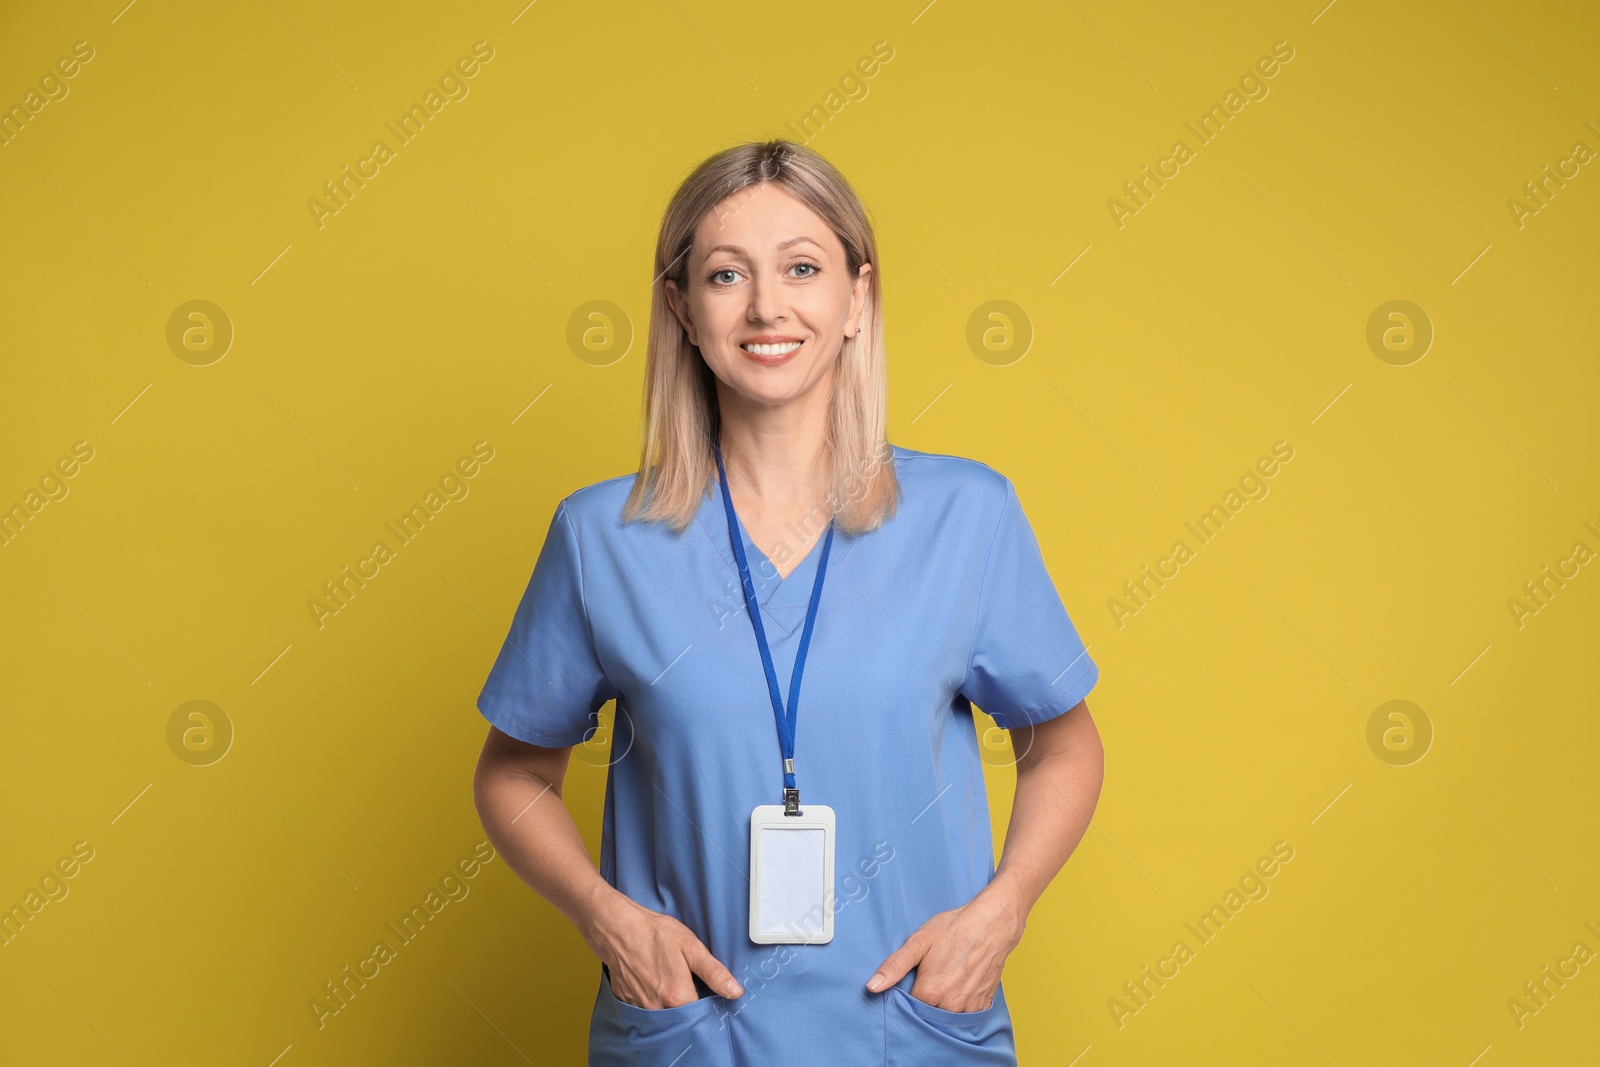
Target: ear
[858,300]
[680,309]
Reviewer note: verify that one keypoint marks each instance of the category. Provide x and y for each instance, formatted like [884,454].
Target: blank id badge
[791,875]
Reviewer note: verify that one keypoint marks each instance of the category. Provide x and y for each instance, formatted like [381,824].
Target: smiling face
[770,298]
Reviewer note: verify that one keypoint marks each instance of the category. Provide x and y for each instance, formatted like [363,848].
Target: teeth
[772,350]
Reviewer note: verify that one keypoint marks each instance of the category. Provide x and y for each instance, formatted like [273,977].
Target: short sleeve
[547,683]
[1028,663]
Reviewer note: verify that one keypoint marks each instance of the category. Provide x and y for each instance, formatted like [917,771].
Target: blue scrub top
[946,603]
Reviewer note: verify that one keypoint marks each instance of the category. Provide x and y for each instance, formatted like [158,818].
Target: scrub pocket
[917,1034]
[689,1035]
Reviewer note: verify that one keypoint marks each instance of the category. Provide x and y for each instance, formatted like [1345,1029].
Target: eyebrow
[739,251]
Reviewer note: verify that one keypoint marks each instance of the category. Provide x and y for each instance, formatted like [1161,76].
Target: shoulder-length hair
[677,467]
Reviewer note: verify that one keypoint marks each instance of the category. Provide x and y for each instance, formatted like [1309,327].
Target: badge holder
[791,875]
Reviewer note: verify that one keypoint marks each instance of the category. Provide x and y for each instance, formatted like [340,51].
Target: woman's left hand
[959,954]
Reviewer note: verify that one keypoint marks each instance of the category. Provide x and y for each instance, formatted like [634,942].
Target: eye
[716,276]
[814,268]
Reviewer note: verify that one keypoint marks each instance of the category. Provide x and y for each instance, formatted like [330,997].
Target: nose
[766,300]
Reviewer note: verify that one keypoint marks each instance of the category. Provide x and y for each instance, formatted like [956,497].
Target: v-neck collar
[783,600]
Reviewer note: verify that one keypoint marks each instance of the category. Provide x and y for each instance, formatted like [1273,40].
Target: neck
[770,451]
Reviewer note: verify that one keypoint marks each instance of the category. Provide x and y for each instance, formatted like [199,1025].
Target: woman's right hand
[653,957]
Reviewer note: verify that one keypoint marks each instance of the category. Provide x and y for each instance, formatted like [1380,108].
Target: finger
[626,989]
[708,967]
[898,962]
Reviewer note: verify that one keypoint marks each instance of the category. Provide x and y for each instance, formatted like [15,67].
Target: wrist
[601,917]
[1007,895]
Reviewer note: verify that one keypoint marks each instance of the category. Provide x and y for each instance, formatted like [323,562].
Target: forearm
[529,825]
[1056,794]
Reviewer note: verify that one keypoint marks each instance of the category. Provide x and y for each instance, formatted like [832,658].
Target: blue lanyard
[786,722]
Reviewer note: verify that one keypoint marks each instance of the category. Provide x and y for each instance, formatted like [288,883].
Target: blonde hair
[677,468]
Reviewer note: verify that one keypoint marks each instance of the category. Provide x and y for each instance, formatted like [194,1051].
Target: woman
[905,584]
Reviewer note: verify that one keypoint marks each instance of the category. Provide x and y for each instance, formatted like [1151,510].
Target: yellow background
[371,353]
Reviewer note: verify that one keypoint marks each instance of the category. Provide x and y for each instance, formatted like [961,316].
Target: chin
[771,392]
